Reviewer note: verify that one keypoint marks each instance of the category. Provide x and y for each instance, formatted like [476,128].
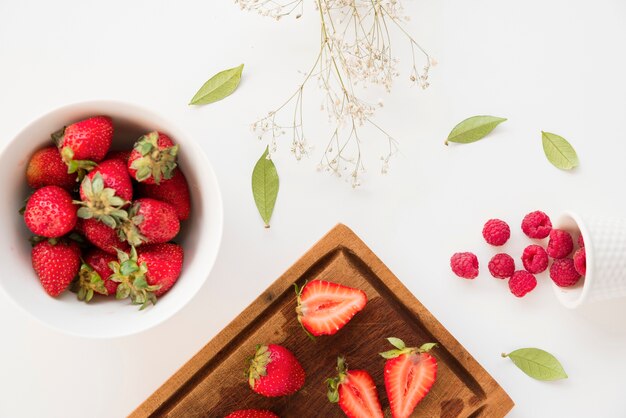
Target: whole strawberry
[88,283]
[46,168]
[355,391]
[115,176]
[252,413]
[99,261]
[150,222]
[275,371]
[56,265]
[164,263]
[153,158]
[174,191]
[85,142]
[102,236]
[409,375]
[130,275]
[50,212]
[102,203]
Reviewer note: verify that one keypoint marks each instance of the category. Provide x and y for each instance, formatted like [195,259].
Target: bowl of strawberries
[120,220]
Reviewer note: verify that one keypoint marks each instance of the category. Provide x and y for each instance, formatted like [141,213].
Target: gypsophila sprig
[355,52]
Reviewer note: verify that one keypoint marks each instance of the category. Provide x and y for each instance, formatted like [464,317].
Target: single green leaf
[219,86]
[473,129]
[389,354]
[558,151]
[396,342]
[537,363]
[428,346]
[265,186]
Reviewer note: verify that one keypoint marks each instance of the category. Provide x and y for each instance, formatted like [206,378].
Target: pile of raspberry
[565,271]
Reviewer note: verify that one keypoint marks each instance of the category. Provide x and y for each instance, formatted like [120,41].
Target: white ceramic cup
[605,249]
[103,317]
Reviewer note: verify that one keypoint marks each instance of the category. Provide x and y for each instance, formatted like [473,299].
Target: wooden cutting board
[212,384]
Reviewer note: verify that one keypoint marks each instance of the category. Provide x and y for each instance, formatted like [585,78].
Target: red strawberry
[46,168]
[50,212]
[99,201]
[164,263]
[153,158]
[99,261]
[325,307]
[88,283]
[56,265]
[151,222]
[174,191]
[85,142]
[355,391]
[102,236]
[252,413]
[122,155]
[409,375]
[115,176]
[275,371]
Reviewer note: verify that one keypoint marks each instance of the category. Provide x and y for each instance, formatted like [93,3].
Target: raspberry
[464,265]
[581,242]
[521,283]
[580,261]
[496,232]
[563,272]
[560,244]
[501,266]
[535,259]
[536,224]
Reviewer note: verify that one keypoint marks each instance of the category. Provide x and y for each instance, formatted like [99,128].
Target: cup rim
[564,294]
[216,198]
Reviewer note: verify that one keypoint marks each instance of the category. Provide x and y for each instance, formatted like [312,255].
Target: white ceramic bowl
[200,235]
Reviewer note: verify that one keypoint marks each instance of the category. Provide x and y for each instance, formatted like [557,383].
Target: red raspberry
[536,224]
[535,259]
[521,283]
[501,266]
[563,272]
[464,265]
[581,242]
[560,244]
[580,261]
[496,232]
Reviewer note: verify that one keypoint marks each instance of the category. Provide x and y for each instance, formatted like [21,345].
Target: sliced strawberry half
[355,391]
[409,374]
[325,307]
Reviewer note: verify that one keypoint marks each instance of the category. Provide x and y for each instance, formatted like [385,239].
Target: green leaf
[558,151]
[219,86]
[265,186]
[389,354]
[537,363]
[397,342]
[427,347]
[473,129]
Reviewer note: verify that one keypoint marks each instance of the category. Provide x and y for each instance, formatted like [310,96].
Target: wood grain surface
[212,383]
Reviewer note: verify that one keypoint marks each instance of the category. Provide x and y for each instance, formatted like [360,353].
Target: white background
[557,66]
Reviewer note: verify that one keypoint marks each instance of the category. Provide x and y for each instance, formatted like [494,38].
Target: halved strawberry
[325,307]
[409,374]
[355,391]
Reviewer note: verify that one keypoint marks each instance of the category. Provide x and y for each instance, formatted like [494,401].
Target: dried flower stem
[355,52]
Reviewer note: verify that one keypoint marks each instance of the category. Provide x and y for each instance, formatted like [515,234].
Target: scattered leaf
[265,186]
[537,363]
[558,151]
[219,86]
[473,129]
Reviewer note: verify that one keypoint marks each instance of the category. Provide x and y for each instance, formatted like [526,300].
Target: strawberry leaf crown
[258,364]
[101,203]
[81,167]
[87,283]
[131,277]
[299,312]
[401,348]
[154,162]
[334,382]
[129,230]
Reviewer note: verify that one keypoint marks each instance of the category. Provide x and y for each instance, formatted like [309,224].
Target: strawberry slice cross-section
[355,391]
[325,307]
[410,372]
